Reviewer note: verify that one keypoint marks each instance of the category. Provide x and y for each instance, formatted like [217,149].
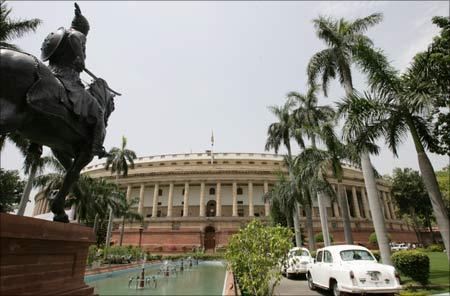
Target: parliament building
[198,200]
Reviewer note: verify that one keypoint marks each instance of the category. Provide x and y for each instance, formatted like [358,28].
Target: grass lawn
[439,272]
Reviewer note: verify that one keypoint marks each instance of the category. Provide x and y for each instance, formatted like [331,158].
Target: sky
[186,69]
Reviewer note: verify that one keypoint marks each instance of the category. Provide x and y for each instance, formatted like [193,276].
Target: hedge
[373,238]
[413,264]
[435,248]
[319,238]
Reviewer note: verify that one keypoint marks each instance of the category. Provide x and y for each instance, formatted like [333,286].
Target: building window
[182,203]
[240,202]
[160,192]
[158,214]
[239,191]
[241,212]
[159,203]
[256,214]
[181,213]
[149,215]
[212,191]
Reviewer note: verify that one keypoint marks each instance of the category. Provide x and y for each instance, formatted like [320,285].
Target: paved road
[296,286]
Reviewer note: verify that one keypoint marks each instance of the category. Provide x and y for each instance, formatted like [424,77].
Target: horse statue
[34,104]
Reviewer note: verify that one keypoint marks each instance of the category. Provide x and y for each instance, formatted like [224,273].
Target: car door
[327,267]
[317,269]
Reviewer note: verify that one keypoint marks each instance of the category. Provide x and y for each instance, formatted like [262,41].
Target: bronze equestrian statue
[50,106]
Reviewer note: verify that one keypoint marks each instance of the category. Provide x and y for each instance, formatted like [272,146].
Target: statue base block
[39,257]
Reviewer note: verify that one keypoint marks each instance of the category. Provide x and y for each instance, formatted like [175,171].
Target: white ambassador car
[351,269]
[297,261]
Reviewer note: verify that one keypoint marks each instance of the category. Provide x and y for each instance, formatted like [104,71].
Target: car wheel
[311,285]
[334,289]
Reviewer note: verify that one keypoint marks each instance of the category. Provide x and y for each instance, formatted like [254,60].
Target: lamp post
[140,235]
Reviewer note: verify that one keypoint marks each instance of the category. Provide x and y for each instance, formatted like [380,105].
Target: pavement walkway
[296,286]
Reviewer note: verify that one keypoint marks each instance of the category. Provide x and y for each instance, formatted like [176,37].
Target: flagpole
[212,147]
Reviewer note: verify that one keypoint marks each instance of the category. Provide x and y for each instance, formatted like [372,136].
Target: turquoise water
[205,279]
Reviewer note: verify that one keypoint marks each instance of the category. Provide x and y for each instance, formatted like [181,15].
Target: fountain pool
[206,278]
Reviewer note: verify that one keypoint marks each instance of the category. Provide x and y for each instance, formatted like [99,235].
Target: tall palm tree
[119,160]
[360,130]
[405,105]
[127,212]
[11,29]
[281,132]
[347,45]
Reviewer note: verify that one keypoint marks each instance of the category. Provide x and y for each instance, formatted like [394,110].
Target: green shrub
[376,254]
[414,264]
[435,248]
[319,237]
[414,293]
[313,254]
[122,254]
[254,254]
[92,254]
[373,238]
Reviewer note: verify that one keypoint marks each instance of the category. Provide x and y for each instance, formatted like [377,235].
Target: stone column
[266,203]
[141,200]
[202,199]
[386,207]
[251,210]
[234,194]
[128,192]
[170,201]
[355,203]
[366,207]
[186,195]
[218,200]
[336,209]
[155,201]
[391,204]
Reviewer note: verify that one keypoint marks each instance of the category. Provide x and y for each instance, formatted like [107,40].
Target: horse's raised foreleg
[72,176]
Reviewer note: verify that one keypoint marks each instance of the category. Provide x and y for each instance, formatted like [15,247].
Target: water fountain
[141,281]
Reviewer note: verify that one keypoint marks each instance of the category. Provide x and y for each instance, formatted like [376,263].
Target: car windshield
[300,253]
[350,255]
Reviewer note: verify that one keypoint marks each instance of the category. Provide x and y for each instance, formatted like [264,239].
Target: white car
[297,261]
[399,247]
[351,269]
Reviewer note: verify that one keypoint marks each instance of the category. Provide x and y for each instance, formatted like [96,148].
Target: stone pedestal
[39,257]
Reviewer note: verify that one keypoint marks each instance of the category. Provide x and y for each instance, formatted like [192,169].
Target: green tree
[11,188]
[126,211]
[119,160]
[443,178]
[429,72]
[347,45]
[11,29]
[254,254]
[411,197]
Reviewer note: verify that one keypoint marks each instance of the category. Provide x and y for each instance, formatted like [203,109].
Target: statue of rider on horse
[66,52]
[49,105]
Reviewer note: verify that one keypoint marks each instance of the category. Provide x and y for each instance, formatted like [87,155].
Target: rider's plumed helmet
[79,22]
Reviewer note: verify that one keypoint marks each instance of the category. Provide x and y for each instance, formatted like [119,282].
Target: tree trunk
[309,226]
[95,225]
[109,230]
[298,234]
[122,231]
[323,219]
[26,193]
[429,178]
[345,214]
[439,209]
[416,225]
[376,209]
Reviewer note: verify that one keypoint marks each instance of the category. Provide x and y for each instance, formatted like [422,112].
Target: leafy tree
[429,73]
[411,197]
[127,212]
[11,188]
[254,254]
[11,29]
[443,178]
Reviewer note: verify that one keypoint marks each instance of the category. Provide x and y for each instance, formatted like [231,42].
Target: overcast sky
[186,68]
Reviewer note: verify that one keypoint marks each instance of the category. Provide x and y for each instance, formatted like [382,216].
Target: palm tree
[119,160]
[347,45]
[11,29]
[278,133]
[128,214]
[362,133]
[314,121]
[405,105]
